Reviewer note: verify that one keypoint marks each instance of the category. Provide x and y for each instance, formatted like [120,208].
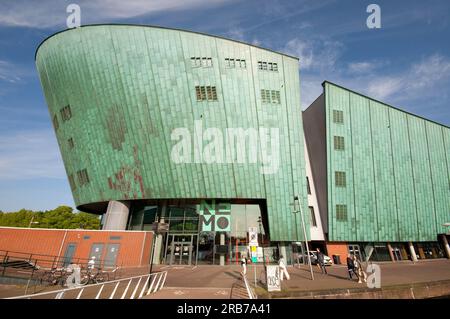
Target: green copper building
[124,99]
[381,174]
[202,139]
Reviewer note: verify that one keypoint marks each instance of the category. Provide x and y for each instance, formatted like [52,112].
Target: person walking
[359,270]
[244,265]
[351,267]
[283,270]
[321,261]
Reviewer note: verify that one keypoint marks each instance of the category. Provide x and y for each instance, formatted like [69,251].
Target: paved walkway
[213,281]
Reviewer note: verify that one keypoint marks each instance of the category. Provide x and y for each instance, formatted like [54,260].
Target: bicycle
[93,276]
[54,277]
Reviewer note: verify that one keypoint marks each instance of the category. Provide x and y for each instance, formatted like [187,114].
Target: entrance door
[112,250]
[68,255]
[96,251]
[181,250]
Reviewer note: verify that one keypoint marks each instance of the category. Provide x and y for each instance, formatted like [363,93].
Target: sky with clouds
[406,63]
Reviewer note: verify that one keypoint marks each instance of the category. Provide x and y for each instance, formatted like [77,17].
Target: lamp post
[296,202]
[32,222]
[262,246]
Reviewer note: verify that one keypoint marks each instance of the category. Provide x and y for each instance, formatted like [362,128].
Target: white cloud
[315,54]
[26,154]
[365,66]
[418,80]
[52,13]
[8,72]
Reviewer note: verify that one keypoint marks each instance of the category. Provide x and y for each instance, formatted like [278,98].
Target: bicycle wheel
[85,278]
[101,277]
[46,279]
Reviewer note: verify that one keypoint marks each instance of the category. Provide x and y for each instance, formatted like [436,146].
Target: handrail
[158,277]
[251,294]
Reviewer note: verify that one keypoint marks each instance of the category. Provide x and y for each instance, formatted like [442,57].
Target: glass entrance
[180,250]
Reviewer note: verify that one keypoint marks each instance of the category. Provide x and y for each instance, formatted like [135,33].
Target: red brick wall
[338,248]
[134,249]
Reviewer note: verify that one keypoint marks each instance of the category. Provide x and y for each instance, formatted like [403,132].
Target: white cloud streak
[27,155]
[52,13]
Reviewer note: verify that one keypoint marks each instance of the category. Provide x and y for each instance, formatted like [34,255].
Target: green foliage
[61,217]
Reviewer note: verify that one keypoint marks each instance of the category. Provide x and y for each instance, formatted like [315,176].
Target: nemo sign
[215,216]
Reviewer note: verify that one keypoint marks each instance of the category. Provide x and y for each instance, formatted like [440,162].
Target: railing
[126,288]
[251,294]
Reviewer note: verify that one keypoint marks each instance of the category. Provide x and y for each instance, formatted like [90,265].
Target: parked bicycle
[93,276]
[54,277]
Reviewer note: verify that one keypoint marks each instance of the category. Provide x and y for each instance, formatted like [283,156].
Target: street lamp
[32,222]
[297,204]
[262,246]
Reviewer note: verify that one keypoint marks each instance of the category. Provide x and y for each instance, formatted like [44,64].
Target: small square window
[203,93]
[198,93]
[275,67]
[209,93]
[214,93]
[260,67]
[263,96]
[243,64]
[209,62]
[313,216]
[264,66]
[341,212]
[338,116]
[339,178]
[339,143]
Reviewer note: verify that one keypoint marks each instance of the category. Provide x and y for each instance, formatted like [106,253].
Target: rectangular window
[203,93]
[70,142]
[308,187]
[73,186]
[197,62]
[55,122]
[313,216]
[263,96]
[227,62]
[66,113]
[268,66]
[209,93]
[83,177]
[214,93]
[206,93]
[275,67]
[193,62]
[197,93]
[338,116]
[339,143]
[341,212]
[339,178]
[267,96]
[243,65]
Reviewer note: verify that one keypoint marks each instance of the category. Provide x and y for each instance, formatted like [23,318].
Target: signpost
[273,278]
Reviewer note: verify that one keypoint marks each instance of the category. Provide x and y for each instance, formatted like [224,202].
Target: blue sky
[405,63]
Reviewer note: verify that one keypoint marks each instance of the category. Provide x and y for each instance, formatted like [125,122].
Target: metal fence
[126,288]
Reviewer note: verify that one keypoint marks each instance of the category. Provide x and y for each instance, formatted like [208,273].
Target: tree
[61,217]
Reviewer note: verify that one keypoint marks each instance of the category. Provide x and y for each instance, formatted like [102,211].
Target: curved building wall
[129,87]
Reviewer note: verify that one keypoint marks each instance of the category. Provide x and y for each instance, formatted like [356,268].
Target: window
[70,142]
[308,187]
[339,143]
[268,66]
[270,96]
[313,216]
[73,186]
[341,212]
[206,93]
[55,122]
[235,63]
[338,116]
[339,178]
[66,113]
[83,177]
[204,62]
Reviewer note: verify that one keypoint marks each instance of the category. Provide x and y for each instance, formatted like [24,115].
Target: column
[222,243]
[413,252]
[391,253]
[446,246]
[116,215]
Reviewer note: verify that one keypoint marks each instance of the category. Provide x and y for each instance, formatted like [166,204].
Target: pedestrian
[283,269]
[321,261]
[91,263]
[359,270]
[244,265]
[351,267]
